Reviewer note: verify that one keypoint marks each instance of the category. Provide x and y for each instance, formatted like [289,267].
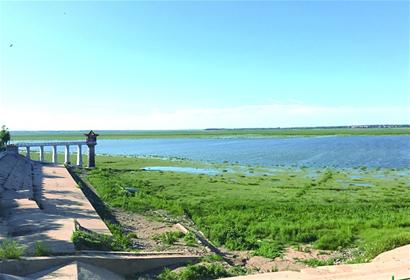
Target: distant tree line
[320,127]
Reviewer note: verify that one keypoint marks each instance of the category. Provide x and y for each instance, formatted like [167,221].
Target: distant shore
[210,133]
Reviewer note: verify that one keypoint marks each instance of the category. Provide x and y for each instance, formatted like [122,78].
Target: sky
[198,64]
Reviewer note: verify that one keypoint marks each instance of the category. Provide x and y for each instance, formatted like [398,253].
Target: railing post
[41,153]
[79,156]
[28,152]
[67,154]
[55,160]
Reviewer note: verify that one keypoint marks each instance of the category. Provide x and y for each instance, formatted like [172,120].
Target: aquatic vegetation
[267,213]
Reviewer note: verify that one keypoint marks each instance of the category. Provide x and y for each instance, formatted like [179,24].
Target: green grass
[196,272]
[169,237]
[209,268]
[267,213]
[316,262]
[190,239]
[10,249]
[78,135]
[119,241]
[41,249]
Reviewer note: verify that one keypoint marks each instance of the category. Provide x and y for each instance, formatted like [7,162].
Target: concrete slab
[125,264]
[76,270]
[59,194]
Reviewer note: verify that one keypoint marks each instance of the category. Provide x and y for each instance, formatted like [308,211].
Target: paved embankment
[392,263]
[39,202]
[119,263]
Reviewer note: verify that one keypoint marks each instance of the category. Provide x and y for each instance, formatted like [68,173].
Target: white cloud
[269,115]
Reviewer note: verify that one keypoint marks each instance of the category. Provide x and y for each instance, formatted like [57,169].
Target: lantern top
[91,137]
[91,133]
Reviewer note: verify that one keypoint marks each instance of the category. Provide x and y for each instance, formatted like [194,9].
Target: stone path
[39,202]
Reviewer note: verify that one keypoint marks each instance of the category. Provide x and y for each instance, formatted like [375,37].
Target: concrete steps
[7,164]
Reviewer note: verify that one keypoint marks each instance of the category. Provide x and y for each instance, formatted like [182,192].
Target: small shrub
[306,237]
[317,262]
[41,249]
[168,274]
[169,237]
[270,249]
[120,241]
[10,249]
[190,239]
[335,240]
[237,270]
[132,235]
[203,271]
[91,241]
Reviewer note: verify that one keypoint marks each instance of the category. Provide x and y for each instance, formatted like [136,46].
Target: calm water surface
[370,151]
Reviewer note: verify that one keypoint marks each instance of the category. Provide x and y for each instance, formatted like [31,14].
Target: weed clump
[91,241]
[317,262]
[190,239]
[119,241]
[41,249]
[269,249]
[10,249]
[169,237]
[335,240]
[196,272]
[385,243]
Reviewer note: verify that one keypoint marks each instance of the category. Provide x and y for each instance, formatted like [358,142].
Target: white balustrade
[91,141]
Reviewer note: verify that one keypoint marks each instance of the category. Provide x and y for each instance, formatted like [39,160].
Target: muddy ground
[147,227]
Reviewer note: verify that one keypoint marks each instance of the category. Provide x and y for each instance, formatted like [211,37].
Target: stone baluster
[67,154]
[55,160]
[41,153]
[28,152]
[79,156]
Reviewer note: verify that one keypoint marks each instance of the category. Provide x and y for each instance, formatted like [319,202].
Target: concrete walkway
[392,263]
[59,194]
[39,202]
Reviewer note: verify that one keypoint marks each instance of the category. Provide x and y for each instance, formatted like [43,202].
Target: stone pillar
[67,154]
[79,156]
[91,142]
[41,153]
[55,158]
[91,155]
[28,152]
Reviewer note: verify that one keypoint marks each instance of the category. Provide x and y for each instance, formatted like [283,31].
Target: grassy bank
[254,210]
[78,135]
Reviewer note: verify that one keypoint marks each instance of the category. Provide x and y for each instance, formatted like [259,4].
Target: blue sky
[198,64]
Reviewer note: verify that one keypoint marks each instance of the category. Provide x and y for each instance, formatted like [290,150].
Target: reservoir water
[332,151]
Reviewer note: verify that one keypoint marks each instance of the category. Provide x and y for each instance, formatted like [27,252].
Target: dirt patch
[147,228]
[292,259]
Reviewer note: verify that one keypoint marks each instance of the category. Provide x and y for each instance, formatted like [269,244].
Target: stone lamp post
[91,141]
